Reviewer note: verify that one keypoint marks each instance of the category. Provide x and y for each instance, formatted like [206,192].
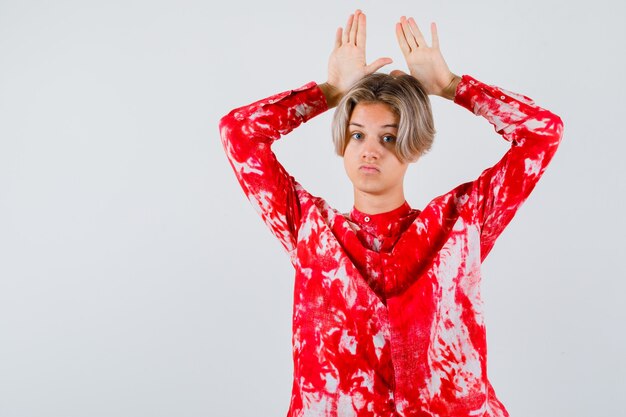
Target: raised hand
[347,64]
[425,62]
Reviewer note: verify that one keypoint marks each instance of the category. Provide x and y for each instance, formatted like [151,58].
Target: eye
[389,139]
[356,135]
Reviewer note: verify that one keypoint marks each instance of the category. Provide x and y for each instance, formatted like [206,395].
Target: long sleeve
[247,135]
[534,134]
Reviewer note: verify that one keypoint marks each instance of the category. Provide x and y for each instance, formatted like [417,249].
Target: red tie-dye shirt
[387,315]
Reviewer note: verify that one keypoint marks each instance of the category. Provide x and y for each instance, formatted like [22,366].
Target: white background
[136,279]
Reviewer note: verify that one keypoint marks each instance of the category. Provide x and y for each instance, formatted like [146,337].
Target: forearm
[268,119]
[514,116]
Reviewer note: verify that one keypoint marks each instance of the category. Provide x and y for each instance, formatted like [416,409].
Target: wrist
[331,93]
[449,91]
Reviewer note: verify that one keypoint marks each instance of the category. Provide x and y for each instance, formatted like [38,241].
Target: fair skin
[376,173]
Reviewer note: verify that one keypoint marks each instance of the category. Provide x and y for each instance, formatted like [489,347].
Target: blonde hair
[406,97]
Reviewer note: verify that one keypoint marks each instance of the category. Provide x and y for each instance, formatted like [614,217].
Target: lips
[369,168]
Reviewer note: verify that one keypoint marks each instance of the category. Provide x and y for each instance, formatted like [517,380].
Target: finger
[355,26]
[361,32]
[338,35]
[346,32]
[410,37]
[397,73]
[378,64]
[435,35]
[404,46]
[421,41]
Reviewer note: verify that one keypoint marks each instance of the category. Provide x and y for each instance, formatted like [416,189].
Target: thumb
[378,64]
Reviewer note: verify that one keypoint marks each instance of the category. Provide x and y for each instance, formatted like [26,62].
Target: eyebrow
[360,125]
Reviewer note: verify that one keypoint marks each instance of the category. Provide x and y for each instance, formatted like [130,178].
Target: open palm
[425,62]
[347,64]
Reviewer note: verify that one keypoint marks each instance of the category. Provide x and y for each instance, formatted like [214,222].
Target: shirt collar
[380,222]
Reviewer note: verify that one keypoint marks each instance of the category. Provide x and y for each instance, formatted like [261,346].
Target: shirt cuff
[467,90]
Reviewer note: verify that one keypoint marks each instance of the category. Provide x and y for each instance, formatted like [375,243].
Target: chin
[373,190]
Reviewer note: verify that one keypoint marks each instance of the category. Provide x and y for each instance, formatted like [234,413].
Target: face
[369,157]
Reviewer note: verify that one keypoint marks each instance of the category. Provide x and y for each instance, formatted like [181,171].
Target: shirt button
[502,97]
[367,219]
[472,82]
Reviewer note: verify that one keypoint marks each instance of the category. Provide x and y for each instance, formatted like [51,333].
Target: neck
[374,204]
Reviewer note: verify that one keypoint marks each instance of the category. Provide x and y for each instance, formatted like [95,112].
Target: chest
[442,243]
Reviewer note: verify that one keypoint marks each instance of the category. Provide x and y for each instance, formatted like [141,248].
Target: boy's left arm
[534,134]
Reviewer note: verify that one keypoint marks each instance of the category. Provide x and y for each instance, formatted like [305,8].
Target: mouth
[369,169]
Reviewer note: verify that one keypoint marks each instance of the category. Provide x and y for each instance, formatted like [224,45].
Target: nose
[370,150]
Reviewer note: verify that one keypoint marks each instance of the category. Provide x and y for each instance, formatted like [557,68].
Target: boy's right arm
[247,134]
